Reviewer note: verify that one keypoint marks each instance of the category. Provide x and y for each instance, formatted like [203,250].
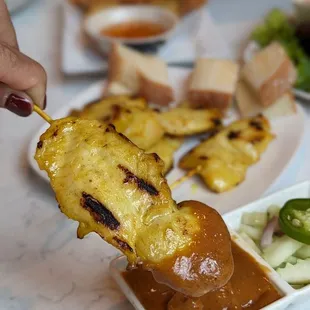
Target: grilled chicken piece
[101,109]
[165,149]
[223,159]
[186,121]
[115,189]
[130,117]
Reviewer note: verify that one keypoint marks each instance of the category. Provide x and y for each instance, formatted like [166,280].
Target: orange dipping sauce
[133,30]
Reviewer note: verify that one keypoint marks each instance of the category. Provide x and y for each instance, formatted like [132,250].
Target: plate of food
[292,32]
[106,155]
[188,119]
[271,256]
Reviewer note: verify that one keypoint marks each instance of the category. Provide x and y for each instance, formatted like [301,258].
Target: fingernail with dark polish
[44,103]
[18,105]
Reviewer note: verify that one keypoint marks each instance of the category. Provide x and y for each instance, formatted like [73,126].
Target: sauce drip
[248,288]
[133,30]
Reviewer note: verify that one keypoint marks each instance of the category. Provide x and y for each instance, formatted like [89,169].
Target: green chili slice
[294,219]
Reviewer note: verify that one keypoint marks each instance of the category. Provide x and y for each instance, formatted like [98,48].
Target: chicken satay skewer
[41,113]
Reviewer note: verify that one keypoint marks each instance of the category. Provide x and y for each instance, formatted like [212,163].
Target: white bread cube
[270,73]
[213,83]
[154,81]
[132,73]
[123,63]
[249,105]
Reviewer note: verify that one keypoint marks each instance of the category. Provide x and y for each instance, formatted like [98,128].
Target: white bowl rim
[134,41]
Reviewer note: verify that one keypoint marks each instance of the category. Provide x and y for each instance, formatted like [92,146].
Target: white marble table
[42,265]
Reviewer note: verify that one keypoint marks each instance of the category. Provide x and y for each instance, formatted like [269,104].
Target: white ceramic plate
[197,33]
[260,177]
[248,53]
[292,300]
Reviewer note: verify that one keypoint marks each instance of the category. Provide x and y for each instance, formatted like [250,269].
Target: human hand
[22,80]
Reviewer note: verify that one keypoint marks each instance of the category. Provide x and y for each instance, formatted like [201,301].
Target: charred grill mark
[203,157]
[124,137]
[99,212]
[143,185]
[216,122]
[116,111]
[40,144]
[256,125]
[110,128]
[156,157]
[234,134]
[123,245]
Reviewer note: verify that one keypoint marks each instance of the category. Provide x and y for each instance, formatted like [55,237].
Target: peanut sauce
[206,263]
[133,30]
[248,288]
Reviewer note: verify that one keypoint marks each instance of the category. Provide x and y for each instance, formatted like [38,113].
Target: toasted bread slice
[213,83]
[154,81]
[270,73]
[249,104]
[132,73]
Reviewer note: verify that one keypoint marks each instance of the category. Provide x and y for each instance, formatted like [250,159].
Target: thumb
[15,101]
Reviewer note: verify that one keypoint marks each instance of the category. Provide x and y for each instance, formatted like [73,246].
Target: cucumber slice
[250,243]
[296,274]
[257,219]
[272,211]
[292,260]
[254,233]
[280,250]
[304,252]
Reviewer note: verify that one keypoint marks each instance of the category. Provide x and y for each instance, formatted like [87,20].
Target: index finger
[7,31]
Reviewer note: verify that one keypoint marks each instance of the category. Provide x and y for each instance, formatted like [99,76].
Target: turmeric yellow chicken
[187,121]
[145,127]
[130,116]
[165,149]
[113,188]
[223,159]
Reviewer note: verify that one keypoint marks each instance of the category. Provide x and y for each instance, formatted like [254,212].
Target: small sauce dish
[140,26]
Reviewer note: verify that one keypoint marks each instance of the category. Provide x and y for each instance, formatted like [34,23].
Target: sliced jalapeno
[294,219]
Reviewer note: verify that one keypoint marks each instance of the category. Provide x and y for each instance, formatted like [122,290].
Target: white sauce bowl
[95,23]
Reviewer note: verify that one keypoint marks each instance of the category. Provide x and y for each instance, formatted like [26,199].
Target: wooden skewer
[45,116]
[185,177]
